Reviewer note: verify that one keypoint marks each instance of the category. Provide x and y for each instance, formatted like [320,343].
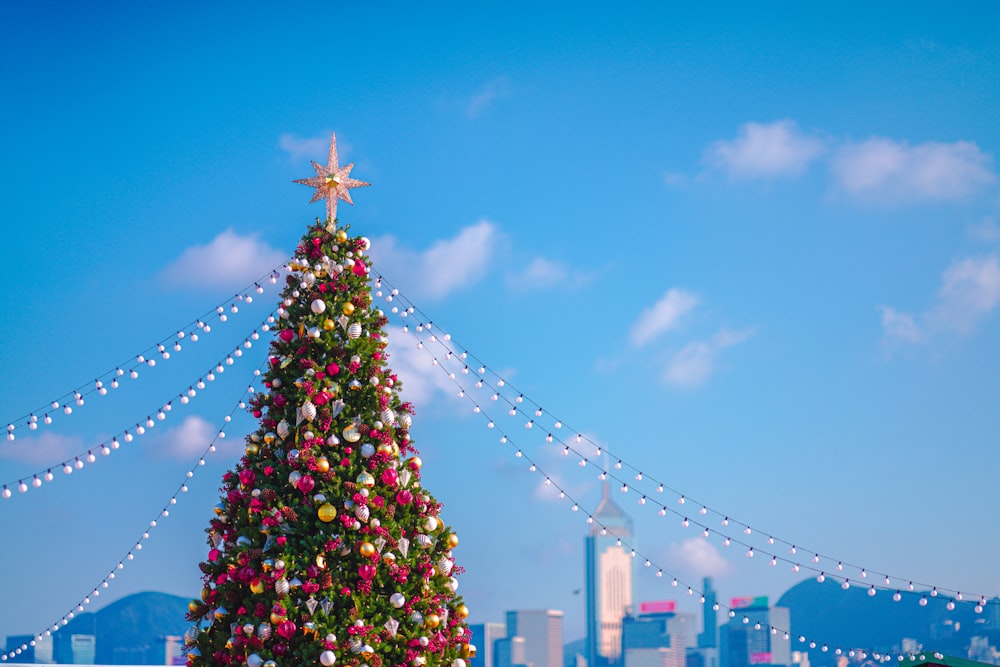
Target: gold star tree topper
[332,182]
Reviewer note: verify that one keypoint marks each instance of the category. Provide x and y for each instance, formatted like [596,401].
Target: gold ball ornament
[205,593]
[468,650]
[341,236]
[329,325]
[322,464]
[384,448]
[452,541]
[348,308]
[194,606]
[252,449]
[326,512]
[461,611]
[366,549]
[432,620]
[415,463]
[269,438]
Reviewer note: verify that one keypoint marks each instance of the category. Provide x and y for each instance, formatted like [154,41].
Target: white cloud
[897,326]
[970,290]
[542,273]
[300,149]
[447,266]
[45,448]
[663,315]
[494,90]
[422,381]
[229,261]
[699,557]
[882,169]
[188,440]
[986,231]
[765,151]
[696,361]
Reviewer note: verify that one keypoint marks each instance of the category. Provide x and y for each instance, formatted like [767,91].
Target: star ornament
[332,182]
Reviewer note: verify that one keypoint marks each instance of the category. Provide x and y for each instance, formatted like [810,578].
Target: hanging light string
[111,444]
[43,415]
[675,581]
[162,514]
[505,391]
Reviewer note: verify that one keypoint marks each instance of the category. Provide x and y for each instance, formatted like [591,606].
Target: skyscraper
[542,631]
[609,581]
[709,637]
[747,640]
[484,637]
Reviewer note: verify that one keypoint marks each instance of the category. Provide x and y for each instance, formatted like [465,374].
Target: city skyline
[753,252]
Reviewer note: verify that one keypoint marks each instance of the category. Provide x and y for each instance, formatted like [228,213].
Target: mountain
[853,619]
[129,631]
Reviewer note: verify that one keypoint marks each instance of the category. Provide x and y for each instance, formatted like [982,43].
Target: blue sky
[753,252]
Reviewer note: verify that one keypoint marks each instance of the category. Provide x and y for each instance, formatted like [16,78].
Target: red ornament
[359,268]
[247,477]
[306,484]
[366,572]
[286,335]
[404,497]
[286,629]
[332,369]
[390,477]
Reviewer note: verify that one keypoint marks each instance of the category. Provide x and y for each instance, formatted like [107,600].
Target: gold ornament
[461,611]
[322,464]
[452,541]
[415,463]
[269,438]
[256,586]
[348,308]
[432,620]
[276,618]
[468,650]
[384,448]
[321,561]
[327,512]
[329,325]
[194,606]
[252,449]
[341,236]
[205,593]
[366,549]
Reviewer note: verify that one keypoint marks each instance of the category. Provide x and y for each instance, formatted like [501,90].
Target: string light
[517,397]
[105,447]
[97,385]
[120,565]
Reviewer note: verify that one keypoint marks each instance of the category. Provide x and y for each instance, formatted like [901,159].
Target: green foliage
[325,545]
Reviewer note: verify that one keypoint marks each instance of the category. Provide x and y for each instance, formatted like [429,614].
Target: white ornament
[283,429]
[354,331]
[397,600]
[318,306]
[254,660]
[367,450]
[309,410]
[327,658]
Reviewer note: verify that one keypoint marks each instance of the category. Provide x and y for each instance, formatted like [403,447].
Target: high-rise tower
[609,581]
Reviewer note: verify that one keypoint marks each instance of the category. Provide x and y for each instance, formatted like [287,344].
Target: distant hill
[853,619]
[129,631]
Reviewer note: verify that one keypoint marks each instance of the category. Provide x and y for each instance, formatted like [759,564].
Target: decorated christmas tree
[325,548]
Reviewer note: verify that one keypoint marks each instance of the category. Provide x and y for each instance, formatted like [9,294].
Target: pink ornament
[390,477]
[213,555]
[286,629]
[366,572]
[332,369]
[306,484]
[247,477]
[286,335]
[404,497]
[359,268]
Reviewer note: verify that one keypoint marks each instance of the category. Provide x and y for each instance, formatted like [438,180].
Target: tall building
[510,652]
[484,637]
[709,637]
[609,581]
[542,631]
[747,640]
[657,636]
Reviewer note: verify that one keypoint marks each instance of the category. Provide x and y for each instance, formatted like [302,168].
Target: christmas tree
[325,547]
